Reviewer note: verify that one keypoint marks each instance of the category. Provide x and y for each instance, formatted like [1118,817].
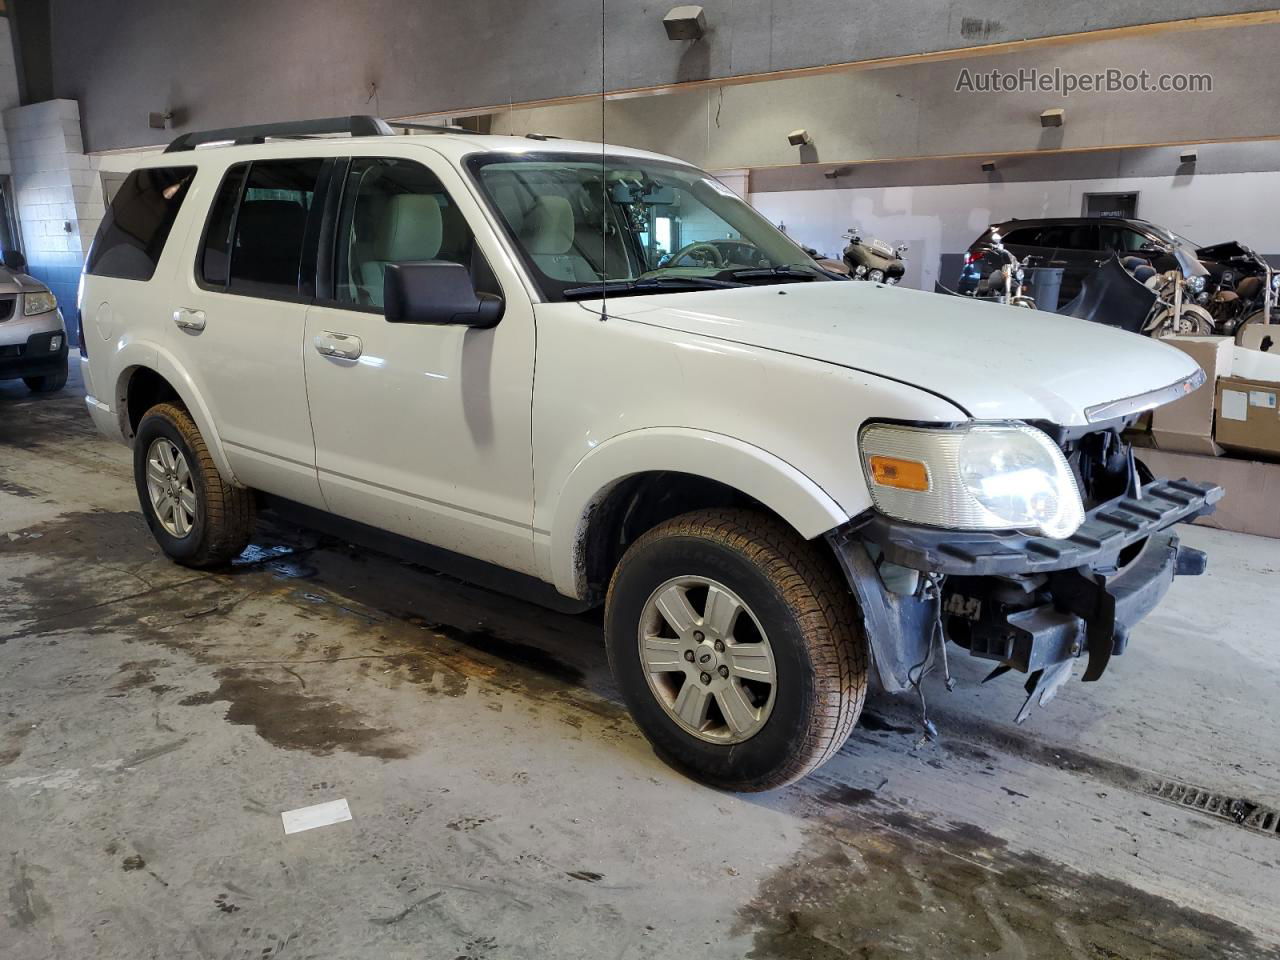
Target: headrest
[548,226]
[410,229]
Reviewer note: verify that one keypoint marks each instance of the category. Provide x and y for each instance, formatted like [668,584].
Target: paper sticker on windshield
[719,187]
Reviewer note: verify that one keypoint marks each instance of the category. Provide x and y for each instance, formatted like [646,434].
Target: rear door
[423,430]
[240,323]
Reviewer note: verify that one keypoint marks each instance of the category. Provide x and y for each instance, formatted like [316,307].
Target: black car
[1077,244]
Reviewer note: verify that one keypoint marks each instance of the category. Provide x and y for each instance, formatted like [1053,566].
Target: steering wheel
[702,253]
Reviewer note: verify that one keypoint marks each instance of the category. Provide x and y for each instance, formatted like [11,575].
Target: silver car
[33,337]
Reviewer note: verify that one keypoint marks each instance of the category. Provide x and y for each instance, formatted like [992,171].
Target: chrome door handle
[189,319]
[344,346]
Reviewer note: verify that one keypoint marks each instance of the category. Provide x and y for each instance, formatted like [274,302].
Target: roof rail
[356,126]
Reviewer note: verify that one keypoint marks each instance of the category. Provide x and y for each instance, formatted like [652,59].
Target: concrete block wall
[56,194]
[8,87]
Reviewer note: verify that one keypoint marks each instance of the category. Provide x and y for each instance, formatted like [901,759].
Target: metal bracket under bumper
[1106,531]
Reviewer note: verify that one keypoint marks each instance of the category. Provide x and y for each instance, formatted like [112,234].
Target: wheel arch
[670,469]
[154,374]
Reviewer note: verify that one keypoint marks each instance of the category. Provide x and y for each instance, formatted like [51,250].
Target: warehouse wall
[240,61]
[915,110]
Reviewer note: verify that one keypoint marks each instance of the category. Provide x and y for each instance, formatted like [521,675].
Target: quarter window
[132,235]
[215,256]
[397,211]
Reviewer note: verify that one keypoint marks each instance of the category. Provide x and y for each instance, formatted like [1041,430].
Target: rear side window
[1079,236]
[1023,237]
[133,232]
[255,236]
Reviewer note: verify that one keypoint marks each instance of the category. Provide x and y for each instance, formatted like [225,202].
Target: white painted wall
[947,218]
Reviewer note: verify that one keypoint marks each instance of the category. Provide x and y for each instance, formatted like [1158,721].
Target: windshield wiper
[786,272]
[646,285]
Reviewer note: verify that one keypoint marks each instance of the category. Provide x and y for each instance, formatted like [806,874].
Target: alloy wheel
[171,487]
[707,659]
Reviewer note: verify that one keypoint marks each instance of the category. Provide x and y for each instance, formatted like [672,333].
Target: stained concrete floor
[155,722]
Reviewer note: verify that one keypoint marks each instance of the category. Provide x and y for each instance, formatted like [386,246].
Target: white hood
[993,361]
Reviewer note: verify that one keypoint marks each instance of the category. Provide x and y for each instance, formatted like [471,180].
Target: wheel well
[144,389]
[638,504]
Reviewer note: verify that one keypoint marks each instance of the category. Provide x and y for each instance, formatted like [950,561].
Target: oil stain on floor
[894,885]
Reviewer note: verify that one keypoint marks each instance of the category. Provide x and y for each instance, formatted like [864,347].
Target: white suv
[599,369]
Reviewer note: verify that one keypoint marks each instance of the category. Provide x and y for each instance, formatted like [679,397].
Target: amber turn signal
[896,472]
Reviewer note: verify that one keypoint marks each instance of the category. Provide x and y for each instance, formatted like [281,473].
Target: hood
[994,362]
[15,281]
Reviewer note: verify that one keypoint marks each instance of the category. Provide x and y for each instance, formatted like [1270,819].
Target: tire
[793,594]
[223,516]
[48,383]
[1258,316]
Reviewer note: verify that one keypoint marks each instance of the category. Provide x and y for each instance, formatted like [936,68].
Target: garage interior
[156,721]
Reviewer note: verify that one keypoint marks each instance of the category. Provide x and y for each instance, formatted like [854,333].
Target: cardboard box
[1186,425]
[1253,488]
[1248,414]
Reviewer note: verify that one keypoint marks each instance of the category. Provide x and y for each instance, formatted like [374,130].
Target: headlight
[42,301]
[1275,281]
[1019,274]
[1195,284]
[982,476]
[876,276]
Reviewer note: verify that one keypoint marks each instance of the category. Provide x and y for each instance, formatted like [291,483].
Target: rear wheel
[48,383]
[198,518]
[737,648]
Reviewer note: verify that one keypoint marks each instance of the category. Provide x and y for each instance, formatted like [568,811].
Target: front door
[422,430]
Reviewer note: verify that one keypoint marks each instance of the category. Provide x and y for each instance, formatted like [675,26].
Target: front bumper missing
[1028,604]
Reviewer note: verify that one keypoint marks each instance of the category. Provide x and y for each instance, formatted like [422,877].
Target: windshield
[1176,238]
[588,225]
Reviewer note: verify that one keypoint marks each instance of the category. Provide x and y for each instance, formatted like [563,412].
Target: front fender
[132,356]
[753,471]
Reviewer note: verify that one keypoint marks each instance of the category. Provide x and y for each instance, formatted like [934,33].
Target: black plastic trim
[1107,529]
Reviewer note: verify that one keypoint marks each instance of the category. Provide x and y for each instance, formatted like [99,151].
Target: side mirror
[14,260]
[437,292]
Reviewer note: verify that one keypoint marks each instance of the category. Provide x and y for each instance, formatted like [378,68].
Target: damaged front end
[1026,603]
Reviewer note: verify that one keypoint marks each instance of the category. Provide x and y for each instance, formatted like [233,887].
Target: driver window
[396,211]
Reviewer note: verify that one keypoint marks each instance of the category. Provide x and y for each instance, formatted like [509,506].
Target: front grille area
[7,304]
[13,350]
[1103,466]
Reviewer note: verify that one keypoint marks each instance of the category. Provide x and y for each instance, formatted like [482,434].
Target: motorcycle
[1006,284]
[874,260]
[1179,292]
[1246,287]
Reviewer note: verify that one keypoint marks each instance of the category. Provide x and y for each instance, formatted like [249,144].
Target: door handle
[344,346]
[187,319]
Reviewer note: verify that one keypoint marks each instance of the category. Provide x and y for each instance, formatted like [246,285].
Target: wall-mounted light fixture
[799,138]
[1188,155]
[988,166]
[160,121]
[685,23]
[1053,117]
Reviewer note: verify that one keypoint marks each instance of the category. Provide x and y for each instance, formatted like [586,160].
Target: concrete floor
[155,722]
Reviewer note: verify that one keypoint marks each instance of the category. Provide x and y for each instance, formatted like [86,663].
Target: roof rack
[356,126]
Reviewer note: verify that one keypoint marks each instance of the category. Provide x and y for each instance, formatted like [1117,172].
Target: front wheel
[197,517]
[49,383]
[737,648]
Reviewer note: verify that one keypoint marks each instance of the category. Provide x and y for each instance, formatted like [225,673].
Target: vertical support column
[56,195]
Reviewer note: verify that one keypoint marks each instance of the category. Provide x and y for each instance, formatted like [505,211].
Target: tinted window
[133,233]
[395,211]
[1122,239]
[1080,236]
[215,256]
[1024,236]
[270,226]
